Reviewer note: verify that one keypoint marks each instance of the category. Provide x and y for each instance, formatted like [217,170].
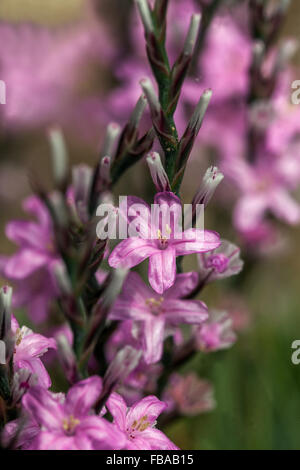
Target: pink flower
[159,242]
[220,263]
[71,425]
[29,347]
[41,68]
[189,394]
[155,313]
[30,267]
[228,54]
[262,189]
[216,333]
[138,423]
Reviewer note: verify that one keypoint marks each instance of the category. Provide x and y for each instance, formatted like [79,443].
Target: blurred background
[63,79]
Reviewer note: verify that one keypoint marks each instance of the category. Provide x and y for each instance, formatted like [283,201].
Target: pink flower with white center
[220,263]
[158,240]
[29,347]
[72,425]
[216,333]
[140,303]
[138,423]
[30,268]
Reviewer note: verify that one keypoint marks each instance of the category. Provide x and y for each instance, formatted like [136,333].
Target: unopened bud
[210,182]
[192,34]
[112,133]
[258,53]
[67,357]
[81,182]
[286,53]
[145,14]
[105,166]
[122,365]
[151,95]
[159,176]
[59,156]
[62,278]
[114,287]
[5,310]
[138,111]
[199,113]
[59,207]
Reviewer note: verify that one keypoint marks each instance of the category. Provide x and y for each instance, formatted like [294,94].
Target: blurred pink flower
[189,395]
[216,333]
[41,69]
[30,268]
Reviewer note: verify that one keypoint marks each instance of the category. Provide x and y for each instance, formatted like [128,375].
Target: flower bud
[199,113]
[112,133]
[151,95]
[105,166]
[81,182]
[67,358]
[159,176]
[62,278]
[137,113]
[59,157]
[210,182]
[192,34]
[145,14]
[5,310]
[122,365]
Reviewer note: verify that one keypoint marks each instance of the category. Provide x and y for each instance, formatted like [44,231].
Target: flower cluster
[121,335]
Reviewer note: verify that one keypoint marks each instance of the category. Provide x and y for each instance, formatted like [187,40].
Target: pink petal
[185,311]
[162,269]
[24,263]
[153,339]
[168,203]
[118,409]
[284,207]
[184,284]
[43,408]
[149,406]
[104,434]
[35,345]
[157,440]
[196,241]
[36,366]
[131,252]
[82,396]
[26,234]
[129,310]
